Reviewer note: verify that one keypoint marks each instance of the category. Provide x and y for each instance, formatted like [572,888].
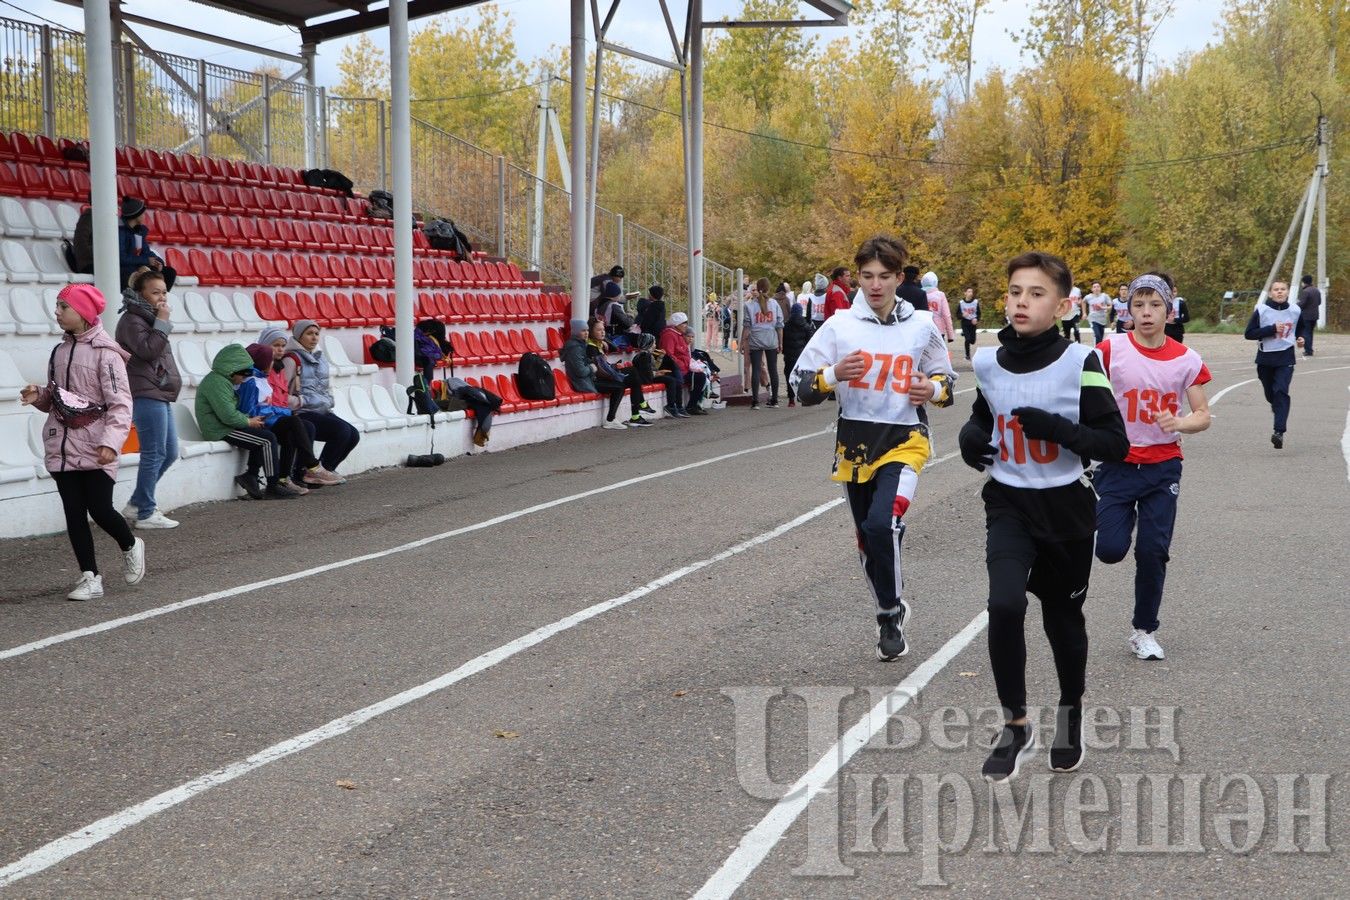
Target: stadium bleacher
[253,244]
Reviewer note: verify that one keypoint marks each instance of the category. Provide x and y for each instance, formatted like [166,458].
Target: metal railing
[170,102]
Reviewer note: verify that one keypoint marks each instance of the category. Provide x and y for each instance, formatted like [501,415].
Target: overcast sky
[539,24]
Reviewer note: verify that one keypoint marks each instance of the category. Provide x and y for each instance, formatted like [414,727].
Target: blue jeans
[159,449]
[1275,381]
[1146,493]
[1098,332]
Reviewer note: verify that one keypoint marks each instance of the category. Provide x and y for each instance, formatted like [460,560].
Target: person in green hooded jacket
[219,418]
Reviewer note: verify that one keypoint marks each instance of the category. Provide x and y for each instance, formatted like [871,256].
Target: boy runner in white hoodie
[883,360]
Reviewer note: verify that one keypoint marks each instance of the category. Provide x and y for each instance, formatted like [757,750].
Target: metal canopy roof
[349,16]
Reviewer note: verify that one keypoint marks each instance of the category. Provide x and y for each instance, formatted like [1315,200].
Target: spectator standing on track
[884,361]
[306,365]
[970,319]
[88,404]
[1309,304]
[762,338]
[133,246]
[1274,323]
[143,331]
[938,306]
[796,334]
[1043,408]
[1150,373]
[1098,311]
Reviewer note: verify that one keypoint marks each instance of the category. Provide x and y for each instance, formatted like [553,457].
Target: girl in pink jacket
[88,404]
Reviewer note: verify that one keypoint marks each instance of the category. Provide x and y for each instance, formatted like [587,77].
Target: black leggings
[968,335]
[296,437]
[1057,573]
[1070,327]
[614,389]
[90,494]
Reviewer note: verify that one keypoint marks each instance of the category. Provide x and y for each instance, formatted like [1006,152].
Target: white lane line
[63,637]
[760,840]
[1345,443]
[1233,387]
[82,839]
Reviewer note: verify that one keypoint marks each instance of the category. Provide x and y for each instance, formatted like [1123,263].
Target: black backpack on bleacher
[328,178]
[535,378]
[443,234]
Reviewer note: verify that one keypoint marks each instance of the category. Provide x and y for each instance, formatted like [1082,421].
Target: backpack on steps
[535,378]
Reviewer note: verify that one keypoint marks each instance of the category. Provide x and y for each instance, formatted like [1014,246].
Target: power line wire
[506,90]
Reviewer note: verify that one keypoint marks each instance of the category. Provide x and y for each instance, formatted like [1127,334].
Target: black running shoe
[891,635]
[1066,753]
[249,485]
[1015,743]
[1277,440]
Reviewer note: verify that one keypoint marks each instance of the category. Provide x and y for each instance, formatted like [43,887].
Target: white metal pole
[595,155]
[48,83]
[102,153]
[540,171]
[696,161]
[1323,285]
[580,265]
[501,206]
[1301,255]
[1284,246]
[384,145]
[401,166]
[311,108]
[692,259]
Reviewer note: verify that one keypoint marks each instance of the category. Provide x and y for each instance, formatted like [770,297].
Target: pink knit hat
[85,299]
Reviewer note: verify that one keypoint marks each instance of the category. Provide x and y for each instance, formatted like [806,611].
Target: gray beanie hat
[271,333]
[301,326]
[578,327]
[821,282]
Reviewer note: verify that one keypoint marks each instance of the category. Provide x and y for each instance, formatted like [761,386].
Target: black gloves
[1040,425]
[976,450]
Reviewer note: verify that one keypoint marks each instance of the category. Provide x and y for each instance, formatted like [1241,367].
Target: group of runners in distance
[1045,407]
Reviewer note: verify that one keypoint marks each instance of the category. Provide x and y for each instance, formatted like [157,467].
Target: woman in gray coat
[143,331]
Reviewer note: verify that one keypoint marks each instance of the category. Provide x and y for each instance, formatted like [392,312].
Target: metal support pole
[48,83]
[738,326]
[323,127]
[401,121]
[696,164]
[311,141]
[203,122]
[120,94]
[102,153]
[692,259]
[595,156]
[618,221]
[128,93]
[1301,255]
[1284,247]
[501,206]
[384,146]
[580,264]
[1323,152]
[540,172]
[267,118]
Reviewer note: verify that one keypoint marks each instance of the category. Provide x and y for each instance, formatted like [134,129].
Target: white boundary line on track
[1345,443]
[77,841]
[110,624]
[760,840]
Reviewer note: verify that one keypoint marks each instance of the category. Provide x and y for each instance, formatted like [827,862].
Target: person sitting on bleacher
[305,469]
[143,331]
[590,373]
[307,363]
[672,341]
[667,374]
[220,419]
[268,399]
[652,311]
[133,248]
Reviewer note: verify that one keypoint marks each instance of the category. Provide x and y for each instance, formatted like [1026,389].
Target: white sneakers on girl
[89,587]
[156,519]
[133,563]
[1145,645]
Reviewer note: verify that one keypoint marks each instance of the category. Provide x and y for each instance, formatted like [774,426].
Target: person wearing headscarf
[938,306]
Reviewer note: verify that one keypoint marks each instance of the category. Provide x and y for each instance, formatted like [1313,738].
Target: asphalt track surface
[603,755]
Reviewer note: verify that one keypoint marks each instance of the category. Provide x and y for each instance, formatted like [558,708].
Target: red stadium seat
[251,232]
[304,233]
[506,389]
[384,307]
[180,263]
[286,232]
[200,264]
[33,180]
[473,349]
[352,274]
[163,224]
[346,309]
[224,266]
[229,231]
[517,343]
[60,185]
[209,226]
[555,339]
[173,165]
[211,200]
[263,267]
[193,168]
[266,305]
[329,311]
[230,199]
[285,269]
[271,237]
[289,309]
[135,160]
[307,305]
[365,308]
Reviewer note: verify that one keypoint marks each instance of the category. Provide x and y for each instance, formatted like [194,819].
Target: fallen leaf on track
[968,674]
[508,735]
[346,785]
[679,693]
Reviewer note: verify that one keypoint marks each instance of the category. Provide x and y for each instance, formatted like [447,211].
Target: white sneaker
[129,512]
[133,562]
[1145,645]
[615,425]
[156,519]
[89,587]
